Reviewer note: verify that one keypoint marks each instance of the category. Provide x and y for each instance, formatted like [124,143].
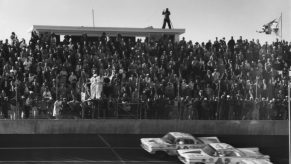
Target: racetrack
[112,148]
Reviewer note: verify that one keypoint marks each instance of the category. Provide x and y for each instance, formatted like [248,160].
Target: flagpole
[93,17]
[289,116]
[281,25]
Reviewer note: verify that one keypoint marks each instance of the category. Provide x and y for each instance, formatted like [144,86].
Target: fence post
[179,98]
[218,109]
[138,99]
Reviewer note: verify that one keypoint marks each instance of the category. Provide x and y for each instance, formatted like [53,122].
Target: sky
[203,19]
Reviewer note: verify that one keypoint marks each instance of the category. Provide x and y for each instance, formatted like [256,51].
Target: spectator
[4,106]
[57,108]
[73,79]
[28,105]
[75,108]
[65,108]
[99,85]
[93,85]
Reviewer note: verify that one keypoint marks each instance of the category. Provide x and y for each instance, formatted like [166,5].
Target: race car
[222,153]
[171,142]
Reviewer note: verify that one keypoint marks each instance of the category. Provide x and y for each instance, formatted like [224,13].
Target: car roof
[181,135]
[221,146]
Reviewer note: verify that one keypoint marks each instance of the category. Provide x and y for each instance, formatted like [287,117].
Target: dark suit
[167,19]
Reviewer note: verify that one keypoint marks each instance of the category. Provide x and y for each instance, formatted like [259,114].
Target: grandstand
[108,73]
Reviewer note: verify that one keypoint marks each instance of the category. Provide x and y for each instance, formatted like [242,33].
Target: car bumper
[182,159]
[146,148]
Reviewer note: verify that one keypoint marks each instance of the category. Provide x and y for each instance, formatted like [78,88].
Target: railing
[158,109]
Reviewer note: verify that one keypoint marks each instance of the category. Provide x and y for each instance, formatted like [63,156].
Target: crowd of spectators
[235,79]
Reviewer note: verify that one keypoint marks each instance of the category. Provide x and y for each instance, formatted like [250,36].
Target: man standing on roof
[167,20]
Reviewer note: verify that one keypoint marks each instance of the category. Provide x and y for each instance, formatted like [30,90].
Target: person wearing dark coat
[5,106]
[167,20]
[65,110]
[231,44]
[28,105]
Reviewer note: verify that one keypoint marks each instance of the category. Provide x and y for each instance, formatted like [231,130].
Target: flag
[277,26]
[272,27]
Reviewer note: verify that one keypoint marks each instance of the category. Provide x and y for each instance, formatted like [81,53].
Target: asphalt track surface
[113,149]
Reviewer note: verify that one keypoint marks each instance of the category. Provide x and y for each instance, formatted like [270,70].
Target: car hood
[207,140]
[254,153]
[191,153]
[255,161]
[153,142]
[198,154]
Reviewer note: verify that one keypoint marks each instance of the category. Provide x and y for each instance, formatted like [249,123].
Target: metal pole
[281,26]
[179,98]
[56,83]
[289,83]
[256,88]
[138,100]
[178,103]
[218,109]
[171,24]
[56,86]
[17,106]
[93,18]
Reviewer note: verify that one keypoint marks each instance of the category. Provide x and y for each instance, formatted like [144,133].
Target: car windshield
[233,153]
[198,141]
[209,150]
[168,138]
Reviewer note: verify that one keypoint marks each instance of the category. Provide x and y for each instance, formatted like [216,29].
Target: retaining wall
[124,126]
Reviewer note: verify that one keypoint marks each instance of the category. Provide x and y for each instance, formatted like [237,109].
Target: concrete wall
[121,126]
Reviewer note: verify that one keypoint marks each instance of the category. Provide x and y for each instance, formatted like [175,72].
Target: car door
[226,160]
[230,157]
[171,149]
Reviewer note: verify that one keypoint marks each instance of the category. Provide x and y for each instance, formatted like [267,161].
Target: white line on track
[113,151]
[82,147]
[85,161]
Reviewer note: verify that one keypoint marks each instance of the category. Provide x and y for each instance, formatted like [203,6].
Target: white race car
[171,142]
[222,153]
